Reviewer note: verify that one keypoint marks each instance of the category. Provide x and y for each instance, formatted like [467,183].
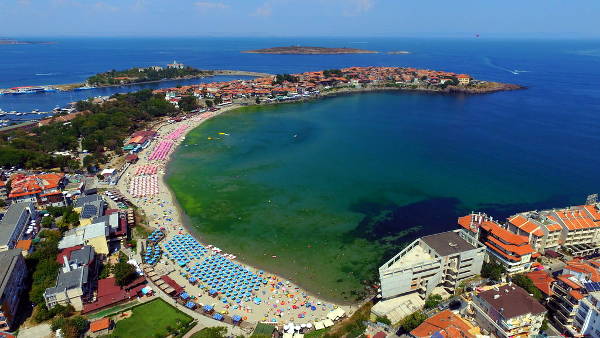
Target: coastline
[180,223]
[221,72]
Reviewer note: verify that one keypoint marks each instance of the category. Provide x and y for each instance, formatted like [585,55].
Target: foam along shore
[274,299]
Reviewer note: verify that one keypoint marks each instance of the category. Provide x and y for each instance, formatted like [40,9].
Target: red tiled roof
[100,324]
[445,323]
[542,280]
[66,252]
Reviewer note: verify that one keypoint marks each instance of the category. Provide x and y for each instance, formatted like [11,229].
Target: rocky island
[303,50]
[4,41]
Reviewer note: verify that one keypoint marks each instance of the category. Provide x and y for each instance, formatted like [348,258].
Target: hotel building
[440,260]
[504,247]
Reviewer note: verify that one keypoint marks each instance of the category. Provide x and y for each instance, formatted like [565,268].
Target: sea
[326,191]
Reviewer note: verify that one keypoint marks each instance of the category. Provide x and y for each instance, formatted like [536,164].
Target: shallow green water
[334,187]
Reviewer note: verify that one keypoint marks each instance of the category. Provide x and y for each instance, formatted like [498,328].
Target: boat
[86,87]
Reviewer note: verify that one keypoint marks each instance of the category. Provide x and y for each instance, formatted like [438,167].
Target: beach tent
[327,323]
[184,295]
[190,305]
[336,314]
[288,335]
[207,308]
[218,316]
[319,325]
[236,318]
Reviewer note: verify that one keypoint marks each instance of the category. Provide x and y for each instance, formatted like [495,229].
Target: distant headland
[309,50]
[5,41]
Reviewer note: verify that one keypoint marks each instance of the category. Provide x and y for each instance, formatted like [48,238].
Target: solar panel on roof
[88,211]
[591,287]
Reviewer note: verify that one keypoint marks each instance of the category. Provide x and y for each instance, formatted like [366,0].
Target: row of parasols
[161,151]
[141,186]
[146,170]
[175,134]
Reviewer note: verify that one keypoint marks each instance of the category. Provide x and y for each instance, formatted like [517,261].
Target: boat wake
[489,62]
[45,74]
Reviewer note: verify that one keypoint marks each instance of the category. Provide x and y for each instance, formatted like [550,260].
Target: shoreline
[180,221]
[66,87]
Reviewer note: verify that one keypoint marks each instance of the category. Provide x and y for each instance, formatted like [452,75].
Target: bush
[124,273]
[526,283]
[413,320]
[492,270]
[384,320]
[433,301]
[211,332]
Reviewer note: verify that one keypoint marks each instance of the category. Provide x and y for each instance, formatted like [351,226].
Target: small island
[302,50]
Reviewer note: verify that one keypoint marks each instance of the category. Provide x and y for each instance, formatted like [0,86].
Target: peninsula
[304,50]
[18,42]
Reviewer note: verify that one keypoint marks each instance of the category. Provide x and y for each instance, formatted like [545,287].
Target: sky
[328,18]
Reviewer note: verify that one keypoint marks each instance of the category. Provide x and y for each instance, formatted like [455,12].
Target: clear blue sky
[497,18]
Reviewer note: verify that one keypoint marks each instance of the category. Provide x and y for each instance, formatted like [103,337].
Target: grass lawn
[150,320]
[112,310]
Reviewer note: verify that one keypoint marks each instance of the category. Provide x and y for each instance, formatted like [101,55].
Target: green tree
[188,103]
[124,273]
[47,222]
[527,284]
[492,270]
[208,103]
[413,320]
[432,301]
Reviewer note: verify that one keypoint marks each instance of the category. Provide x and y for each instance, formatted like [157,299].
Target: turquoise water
[334,187]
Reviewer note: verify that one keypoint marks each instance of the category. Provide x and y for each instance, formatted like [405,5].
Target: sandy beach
[143,183]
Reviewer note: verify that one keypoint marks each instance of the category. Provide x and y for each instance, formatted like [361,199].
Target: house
[13,272]
[445,324]
[94,235]
[440,260]
[463,79]
[175,65]
[504,247]
[14,223]
[44,189]
[90,211]
[543,281]
[101,326]
[508,311]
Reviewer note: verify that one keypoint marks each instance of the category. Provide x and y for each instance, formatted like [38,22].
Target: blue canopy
[236,318]
[207,308]
[184,295]
[217,316]
[212,292]
[190,305]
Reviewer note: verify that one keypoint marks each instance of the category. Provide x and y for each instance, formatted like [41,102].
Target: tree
[492,270]
[124,273]
[47,222]
[527,284]
[413,320]
[433,301]
[208,103]
[188,103]
[211,332]
[257,100]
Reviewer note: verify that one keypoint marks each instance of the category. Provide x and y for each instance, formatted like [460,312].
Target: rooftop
[9,222]
[447,243]
[446,324]
[8,259]
[69,280]
[412,257]
[511,301]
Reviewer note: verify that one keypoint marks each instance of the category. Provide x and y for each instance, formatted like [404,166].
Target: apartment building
[13,272]
[541,232]
[504,247]
[14,223]
[508,311]
[440,260]
[568,292]
[587,319]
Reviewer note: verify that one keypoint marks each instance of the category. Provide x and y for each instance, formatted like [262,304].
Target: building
[175,65]
[543,281]
[504,247]
[445,324]
[508,311]
[90,211]
[74,281]
[568,292]
[44,189]
[587,319]
[14,224]
[542,233]
[463,79]
[440,260]
[93,235]
[13,272]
